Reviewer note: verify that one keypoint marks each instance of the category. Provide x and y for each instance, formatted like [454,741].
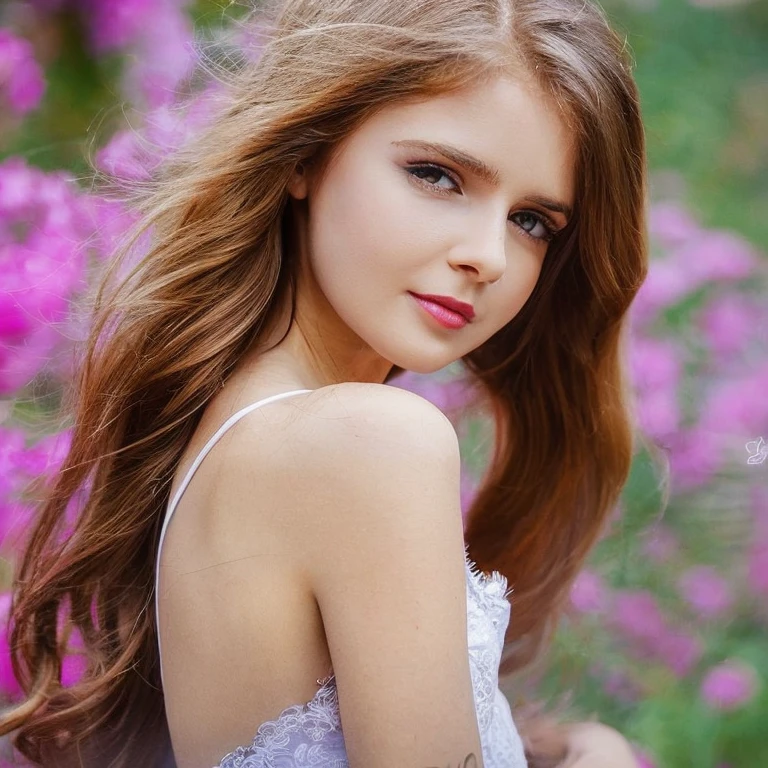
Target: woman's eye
[533,225]
[431,174]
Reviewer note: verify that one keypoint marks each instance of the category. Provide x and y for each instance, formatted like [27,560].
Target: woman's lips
[448,318]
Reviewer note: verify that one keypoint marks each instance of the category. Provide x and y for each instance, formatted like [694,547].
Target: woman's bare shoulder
[336,418]
[368,442]
[364,400]
[369,428]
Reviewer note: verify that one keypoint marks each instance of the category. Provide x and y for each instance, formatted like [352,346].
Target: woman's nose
[484,253]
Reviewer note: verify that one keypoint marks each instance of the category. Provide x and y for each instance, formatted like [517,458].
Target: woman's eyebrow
[480,169]
[552,205]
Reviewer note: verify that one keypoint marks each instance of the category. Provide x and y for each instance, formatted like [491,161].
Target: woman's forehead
[505,129]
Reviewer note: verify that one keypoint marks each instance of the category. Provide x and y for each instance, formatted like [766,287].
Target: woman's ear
[298,186]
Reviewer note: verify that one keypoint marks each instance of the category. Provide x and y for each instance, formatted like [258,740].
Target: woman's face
[456,196]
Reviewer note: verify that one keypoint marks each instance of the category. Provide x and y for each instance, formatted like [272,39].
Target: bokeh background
[666,636]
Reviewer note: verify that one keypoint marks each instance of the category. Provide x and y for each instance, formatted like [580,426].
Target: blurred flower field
[666,637]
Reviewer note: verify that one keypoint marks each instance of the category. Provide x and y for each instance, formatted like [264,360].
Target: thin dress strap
[195,464]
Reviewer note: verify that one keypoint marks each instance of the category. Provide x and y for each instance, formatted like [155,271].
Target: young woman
[270,542]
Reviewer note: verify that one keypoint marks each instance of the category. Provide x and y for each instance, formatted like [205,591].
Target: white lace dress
[310,735]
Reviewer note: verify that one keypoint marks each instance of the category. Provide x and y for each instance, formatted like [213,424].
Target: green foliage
[82,90]
[703,78]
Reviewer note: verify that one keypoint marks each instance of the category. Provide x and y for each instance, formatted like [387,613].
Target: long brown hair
[216,273]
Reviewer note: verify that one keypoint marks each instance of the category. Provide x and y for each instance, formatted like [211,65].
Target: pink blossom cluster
[21,78]
[641,627]
[73,666]
[655,639]
[646,632]
[156,35]
[728,329]
[19,464]
[131,155]
[162,54]
[730,685]
[48,229]
[688,257]
[662,649]
[41,234]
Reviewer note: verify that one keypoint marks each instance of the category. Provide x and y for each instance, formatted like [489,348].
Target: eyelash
[551,228]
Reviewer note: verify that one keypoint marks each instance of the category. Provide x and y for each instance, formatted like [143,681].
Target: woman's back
[242,633]
[279,640]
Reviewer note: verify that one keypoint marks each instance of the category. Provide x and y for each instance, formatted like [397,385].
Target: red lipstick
[449,312]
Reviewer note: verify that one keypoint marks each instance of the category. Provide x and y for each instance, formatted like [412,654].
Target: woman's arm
[594,745]
[369,485]
[551,743]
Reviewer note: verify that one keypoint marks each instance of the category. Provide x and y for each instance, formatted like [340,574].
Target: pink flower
[116,24]
[716,256]
[17,187]
[680,651]
[656,368]
[447,394]
[46,455]
[132,154]
[659,413]
[705,591]
[11,451]
[43,264]
[729,685]
[655,362]
[696,258]
[19,465]
[727,323]
[164,56]
[15,519]
[73,668]
[738,405]
[671,225]
[694,457]
[122,157]
[20,363]
[660,544]
[667,283]
[75,662]
[9,686]
[589,593]
[636,614]
[620,686]
[644,760]
[21,79]
[108,220]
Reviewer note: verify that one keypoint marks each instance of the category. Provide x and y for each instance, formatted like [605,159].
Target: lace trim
[488,612]
[318,717]
[487,608]
[494,584]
